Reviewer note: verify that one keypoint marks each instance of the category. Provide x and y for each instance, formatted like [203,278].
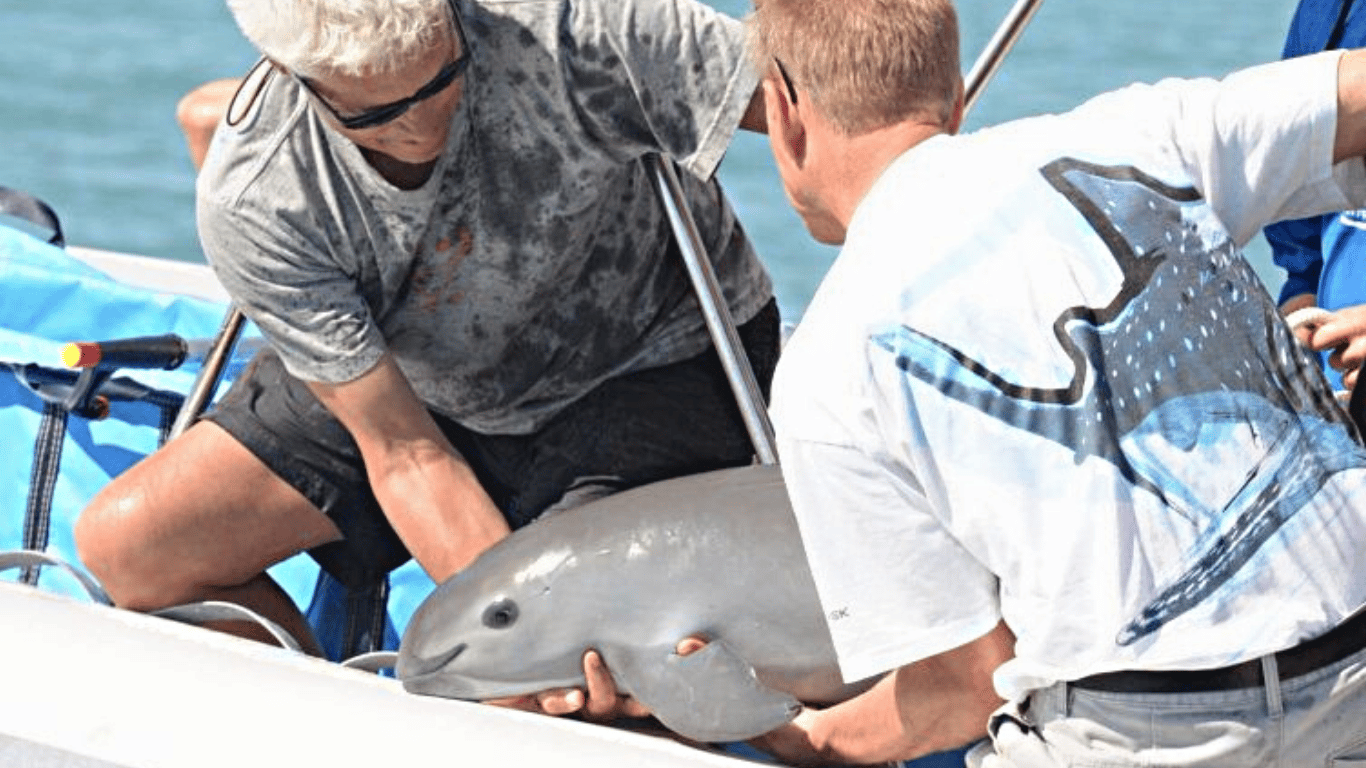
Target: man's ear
[959,108]
[786,130]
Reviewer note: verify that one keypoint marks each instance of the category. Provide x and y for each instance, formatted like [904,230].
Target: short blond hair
[867,64]
[353,37]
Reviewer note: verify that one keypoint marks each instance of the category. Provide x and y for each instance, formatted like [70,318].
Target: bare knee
[151,549]
[112,546]
[100,545]
[197,517]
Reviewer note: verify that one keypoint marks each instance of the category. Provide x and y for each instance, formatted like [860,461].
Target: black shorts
[638,428]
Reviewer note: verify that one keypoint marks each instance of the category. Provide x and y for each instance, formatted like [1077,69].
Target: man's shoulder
[264,120]
[522,36]
[535,20]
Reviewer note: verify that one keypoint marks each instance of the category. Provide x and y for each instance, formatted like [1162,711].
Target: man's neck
[864,158]
[397,172]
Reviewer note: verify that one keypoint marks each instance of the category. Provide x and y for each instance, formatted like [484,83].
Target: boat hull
[90,685]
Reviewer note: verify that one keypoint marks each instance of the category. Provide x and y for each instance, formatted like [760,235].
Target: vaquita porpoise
[715,555]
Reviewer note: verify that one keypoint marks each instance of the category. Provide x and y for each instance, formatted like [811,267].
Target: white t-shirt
[1041,384]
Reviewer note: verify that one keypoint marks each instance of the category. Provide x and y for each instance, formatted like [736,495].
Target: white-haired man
[1042,425]
[439,214]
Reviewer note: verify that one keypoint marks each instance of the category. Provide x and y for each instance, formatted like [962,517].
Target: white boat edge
[160,275]
[89,686]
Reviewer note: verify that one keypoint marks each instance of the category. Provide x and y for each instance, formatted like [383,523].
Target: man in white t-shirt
[1047,440]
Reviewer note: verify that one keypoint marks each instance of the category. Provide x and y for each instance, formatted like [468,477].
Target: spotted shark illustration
[1142,367]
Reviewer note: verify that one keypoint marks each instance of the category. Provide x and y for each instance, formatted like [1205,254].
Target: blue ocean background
[90,88]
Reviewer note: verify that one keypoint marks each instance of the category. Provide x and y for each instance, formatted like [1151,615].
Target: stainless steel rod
[210,373]
[995,52]
[717,315]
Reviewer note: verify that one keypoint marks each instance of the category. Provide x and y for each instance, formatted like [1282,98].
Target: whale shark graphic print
[1188,349]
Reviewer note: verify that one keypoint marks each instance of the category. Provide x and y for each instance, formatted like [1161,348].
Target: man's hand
[793,743]
[599,701]
[1344,332]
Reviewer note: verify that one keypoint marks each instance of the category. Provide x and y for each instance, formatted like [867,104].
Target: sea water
[88,90]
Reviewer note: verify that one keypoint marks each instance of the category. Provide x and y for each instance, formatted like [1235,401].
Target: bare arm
[426,489]
[935,704]
[1351,129]
[200,111]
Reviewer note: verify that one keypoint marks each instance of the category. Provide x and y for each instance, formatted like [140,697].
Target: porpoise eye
[500,615]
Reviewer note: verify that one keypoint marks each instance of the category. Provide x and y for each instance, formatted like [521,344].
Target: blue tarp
[47,299]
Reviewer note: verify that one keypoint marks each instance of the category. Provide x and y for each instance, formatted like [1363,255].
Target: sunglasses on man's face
[387,113]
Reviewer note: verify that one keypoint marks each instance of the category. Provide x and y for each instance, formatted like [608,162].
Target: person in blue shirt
[1324,257]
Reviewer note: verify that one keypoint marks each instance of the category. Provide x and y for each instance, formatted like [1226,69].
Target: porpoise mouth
[412,666]
[435,677]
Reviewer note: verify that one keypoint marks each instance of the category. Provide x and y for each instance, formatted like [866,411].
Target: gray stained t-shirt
[535,262]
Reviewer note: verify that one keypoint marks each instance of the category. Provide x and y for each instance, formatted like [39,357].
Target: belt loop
[1271,679]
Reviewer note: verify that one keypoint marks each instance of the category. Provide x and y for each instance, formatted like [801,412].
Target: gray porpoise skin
[715,555]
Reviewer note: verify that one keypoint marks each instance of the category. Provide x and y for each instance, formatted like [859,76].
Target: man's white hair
[352,37]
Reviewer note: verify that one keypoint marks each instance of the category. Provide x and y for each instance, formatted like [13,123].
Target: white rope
[1311,318]
[375,661]
[1307,316]
[28,558]
[195,614]
[199,614]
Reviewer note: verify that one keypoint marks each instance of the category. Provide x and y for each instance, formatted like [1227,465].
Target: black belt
[1339,643]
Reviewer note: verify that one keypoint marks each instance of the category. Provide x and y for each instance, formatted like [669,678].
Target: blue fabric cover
[49,298]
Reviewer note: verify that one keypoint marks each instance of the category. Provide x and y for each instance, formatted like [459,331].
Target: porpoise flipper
[710,696]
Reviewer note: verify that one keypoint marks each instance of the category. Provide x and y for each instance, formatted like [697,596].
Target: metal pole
[715,312]
[210,374]
[995,52]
